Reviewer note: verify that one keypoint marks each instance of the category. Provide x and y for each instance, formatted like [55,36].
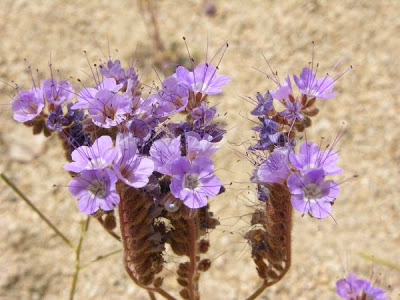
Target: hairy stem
[84,229]
[101,257]
[36,210]
[192,288]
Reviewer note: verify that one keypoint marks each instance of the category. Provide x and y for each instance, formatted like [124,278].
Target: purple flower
[57,92]
[203,79]
[129,166]
[269,134]
[109,109]
[163,152]
[292,111]
[196,146]
[56,119]
[114,70]
[264,106]
[310,193]
[87,96]
[194,182]
[27,105]
[275,169]
[373,293]
[95,189]
[350,287]
[173,97]
[353,288]
[98,156]
[283,91]
[310,156]
[309,85]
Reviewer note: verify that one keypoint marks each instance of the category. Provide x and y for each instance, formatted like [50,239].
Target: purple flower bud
[27,105]
[203,79]
[292,111]
[311,193]
[264,106]
[309,85]
[98,156]
[194,182]
[95,189]
[203,115]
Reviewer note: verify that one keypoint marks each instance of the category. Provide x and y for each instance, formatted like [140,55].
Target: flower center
[191,181]
[95,163]
[97,189]
[312,192]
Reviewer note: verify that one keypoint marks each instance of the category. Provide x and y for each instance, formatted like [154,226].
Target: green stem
[379,260]
[100,258]
[85,227]
[36,210]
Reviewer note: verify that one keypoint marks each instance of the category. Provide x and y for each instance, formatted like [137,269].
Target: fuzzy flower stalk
[149,157]
[287,176]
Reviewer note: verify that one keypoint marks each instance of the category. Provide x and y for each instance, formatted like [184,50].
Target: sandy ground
[35,262]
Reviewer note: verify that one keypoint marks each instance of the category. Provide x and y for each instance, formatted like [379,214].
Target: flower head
[203,79]
[163,152]
[98,156]
[292,111]
[129,166]
[311,193]
[353,288]
[173,97]
[95,189]
[309,85]
[275,169]
[310,156]
[194,182]
[57,92]
[27,105]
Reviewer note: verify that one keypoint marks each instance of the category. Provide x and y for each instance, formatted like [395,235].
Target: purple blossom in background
[309,85]
[57,92]
[114,70]
[87,96]
[198,147]
[352,288]
[310,156]
[374,293]
[109,109]
[203,79]
[275,169]
[203,115]
[310,193]
[163,152]
[27,105]
[95,189]
[264,106]
[129,166]
[194,182]
[283,91]
[292,111]
[98,156]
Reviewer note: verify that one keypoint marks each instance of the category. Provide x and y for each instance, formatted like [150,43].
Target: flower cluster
[117,136]
[357,289]
[304,174]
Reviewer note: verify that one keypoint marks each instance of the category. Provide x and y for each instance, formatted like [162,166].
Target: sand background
[36,264]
